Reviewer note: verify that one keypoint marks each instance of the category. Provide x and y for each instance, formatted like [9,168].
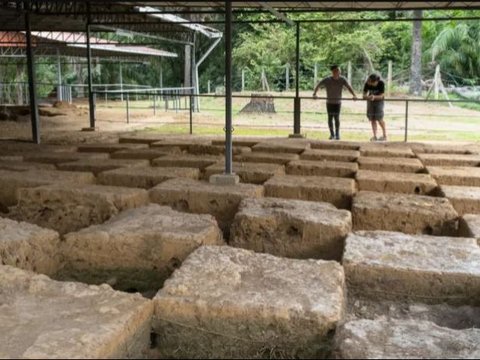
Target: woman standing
[373,92]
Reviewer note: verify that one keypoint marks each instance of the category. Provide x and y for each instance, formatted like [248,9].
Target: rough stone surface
[19,165]
[241,141]
[456,175]
[322,168]
[139,248]
[411,214]
[109,148]
[65,208]
[97,166]
[394,265]
[273,158]
[61,157]
[201,149]
[140,138]
[291,228]
[336,145]
[12,181]
[201,197]
[249,172]
[285,146]
[469,226]
[192,161]
[224,179]
[378,150]
[232,303]
[449,160]
[145,177]
[330,154]
[29,247]
[140,154]
[465,199]
[404,339]
[337,191]
[455,148]
[182,143]
[396,182]
[42,318]
[393,164]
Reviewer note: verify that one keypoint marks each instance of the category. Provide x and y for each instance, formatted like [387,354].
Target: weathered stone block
[330,154]
[97,166]
[109,148]
[241,141]
[396,182]
[449,159]
[191,161]
[140,154]
[427,268]
[182,143]
[322,168]
[469,226]
[283,146]
[145,177]
[139,248]
[249,172]
[141,138]
[455,175]
[411,214]
[232,303]
[392,164]
[202,149]
[404,339]
[20,165]
[335,145]
[67,208]
[273,158]
[12,181]
[465,199]
[29,247]
[46,319]
[337,191]
[443,149]
[291,228]
[204,198]
[379,150]
[62,157]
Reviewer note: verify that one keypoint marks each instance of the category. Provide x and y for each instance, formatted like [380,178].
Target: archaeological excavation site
[165,193]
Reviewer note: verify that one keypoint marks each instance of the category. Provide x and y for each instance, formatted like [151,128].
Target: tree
[416,62]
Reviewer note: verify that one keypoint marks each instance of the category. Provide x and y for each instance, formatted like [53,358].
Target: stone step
[201,149]
[46,319]
[182,143]
[404,339]
[141,138]
[449,160]
[191,161]
[67,208]
[249,172]
[139,248]
[261,157]
[201,197]
[469,226]
[430,269]
[411,214]
[20,165]
[97,166]
[455,175]
[330,154]
[241,141]
[336,145]
[109,148]
[29,247]
[291,228]
[393,164]
[382,150]
[422,148]
[396,182]
[12,181]
[248,305]
[18,148]
[465,199]
[145,177]
[61,157]
[337,191]
[141,154]
[282,146]
[322,168]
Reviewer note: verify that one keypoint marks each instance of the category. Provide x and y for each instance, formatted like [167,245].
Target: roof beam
[278,14]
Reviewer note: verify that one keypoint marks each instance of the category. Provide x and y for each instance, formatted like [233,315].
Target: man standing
[334,85]
[373,92]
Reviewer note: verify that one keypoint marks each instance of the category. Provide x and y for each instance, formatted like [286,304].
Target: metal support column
[228,87]
[296,103]
[32,82]
[91,102]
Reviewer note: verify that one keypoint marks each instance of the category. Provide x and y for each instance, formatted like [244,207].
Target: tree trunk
[415,87]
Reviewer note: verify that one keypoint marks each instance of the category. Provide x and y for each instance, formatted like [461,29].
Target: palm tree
[416,63]
[457,50]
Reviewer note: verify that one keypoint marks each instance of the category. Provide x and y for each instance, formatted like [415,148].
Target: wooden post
[262,79]
[315,73]
[436,82]
[243,80]
[208,87]
[389,77]
[349,72]
[287,77]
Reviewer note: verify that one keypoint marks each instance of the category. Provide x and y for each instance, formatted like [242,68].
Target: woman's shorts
[375,110]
